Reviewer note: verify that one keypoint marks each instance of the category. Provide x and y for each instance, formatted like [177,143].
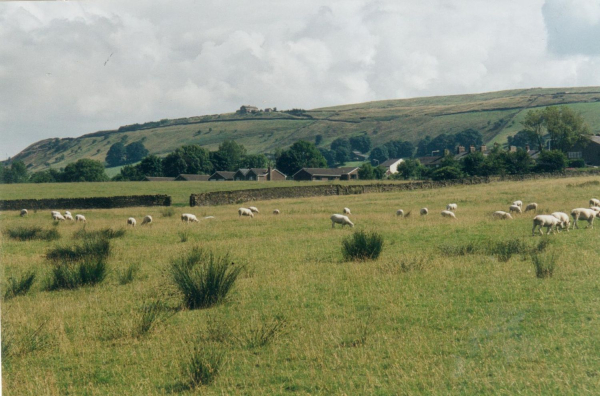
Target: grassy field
[440,312]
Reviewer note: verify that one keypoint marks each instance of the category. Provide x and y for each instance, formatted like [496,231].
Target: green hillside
[495,114]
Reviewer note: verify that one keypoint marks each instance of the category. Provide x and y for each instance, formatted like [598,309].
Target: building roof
[328,171]
[427,161]
[243,171]
[595,139]
[391,162]
[189,177]
[259,171]
[227,175]
[151,178]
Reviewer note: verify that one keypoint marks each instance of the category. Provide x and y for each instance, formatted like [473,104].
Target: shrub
[19,286]
[203,278]
[202,367]
[504,250]
[31,233]
[362,246]
[167,212]
[544,264]
[105,233]
[128,274]
[90,247]
[73,274]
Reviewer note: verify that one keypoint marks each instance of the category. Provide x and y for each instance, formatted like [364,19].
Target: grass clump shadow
[362,246]
[17,286]
[32,233]
[105,233]
[90,247]
[203,277]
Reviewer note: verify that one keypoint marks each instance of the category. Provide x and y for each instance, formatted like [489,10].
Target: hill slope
[496,115]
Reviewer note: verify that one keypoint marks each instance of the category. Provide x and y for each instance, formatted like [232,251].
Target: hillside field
[440,312]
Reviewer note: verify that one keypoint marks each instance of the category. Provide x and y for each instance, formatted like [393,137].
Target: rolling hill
[495,114]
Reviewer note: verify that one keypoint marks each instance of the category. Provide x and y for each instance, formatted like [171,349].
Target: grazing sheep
[565,222]
[595,208]
[452,206]
[594,202]
[347,211]
[400,213]
[147,220]
[340,219]
[245,212]
[54,213]
[532,206]
[584,214]
[253,209]
[68,217]
[514,208]
[518,203]
[276,212]
[447,213]
[131,221]
[24,212]
[499,214]
[80,218]
[187,217]
[424,211]
[548,221]
[58,217]
[67,213]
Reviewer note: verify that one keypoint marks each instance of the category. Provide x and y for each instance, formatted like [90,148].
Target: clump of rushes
[202,366]
[362,246]
[16,286]
[105,233]
[31,233]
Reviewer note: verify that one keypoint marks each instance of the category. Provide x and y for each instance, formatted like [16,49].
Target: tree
[301,154]
[129,172]
[255,161]
[117,154]
[329,156]
[361,143]
[471,163]
[47,176]
[551,161]
[518,162]
[85,170]
[379,154]
[411,169]
[192,159]
[230,155]
[342,155]
[151,166]
[369,172]
[468,137]
[175,164]
[534,125]
[521,139]
[566,127]
[446,173]
[423,146]
[318,139]
[135,152]
[17,173]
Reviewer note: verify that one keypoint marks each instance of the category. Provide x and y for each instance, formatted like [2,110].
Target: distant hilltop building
[253,109]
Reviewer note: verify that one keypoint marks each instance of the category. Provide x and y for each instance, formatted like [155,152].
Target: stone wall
[86,203]
[307,190]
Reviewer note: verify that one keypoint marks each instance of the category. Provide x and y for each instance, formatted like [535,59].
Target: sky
[70,68]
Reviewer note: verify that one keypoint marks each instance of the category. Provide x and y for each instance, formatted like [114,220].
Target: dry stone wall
[87,203]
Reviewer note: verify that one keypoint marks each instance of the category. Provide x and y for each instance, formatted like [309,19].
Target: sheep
[400,213]
[80,218]
[276,212]
[548,221]
[499,214]
[147,220]
[58,217]
[518,203]
[245,212]
[594,202]
[452,206]
[68,217]
[564,220]
[131,221]
[24,212]
[532,206]
[447,213]
[514,208]
[340,219]
[67,213]
[187,217]
[253,209]
[584,214]
[424,211]
[347,211]
[53,213]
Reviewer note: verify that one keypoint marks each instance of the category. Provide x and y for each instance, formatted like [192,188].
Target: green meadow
[450,306]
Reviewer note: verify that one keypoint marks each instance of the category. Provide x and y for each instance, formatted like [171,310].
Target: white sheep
[24,212]
[584,214]
[400,213]
[245,212]
[253,209]
[424,211]
[68,217]
[594,202]
[499,214]
[565,221]
[67,213]
[340,219]
[187,217]
[58,217]
[548,221]
[514,208]
[532,206]
[276,212]
[447,213]
[147,220]
[131,221]
[518,203]
[451,206]
[347,211]
[53,213]
[80,218]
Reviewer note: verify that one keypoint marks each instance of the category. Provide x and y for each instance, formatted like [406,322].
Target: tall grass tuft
[73,274]
[128,274]
[167,212]
[504,250]
[544,264]
[184,235]
[105,233]
[362,246]
[264,333]
[202,367]
[31,233]
[460,250]
[203,278]
[19,286]
[90,247]
[151,313]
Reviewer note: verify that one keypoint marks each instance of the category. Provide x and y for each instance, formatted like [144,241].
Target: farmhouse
[312,174]
[248,109]
[187,177]
[391,165]
[259,174]
[221,176]
[590,152]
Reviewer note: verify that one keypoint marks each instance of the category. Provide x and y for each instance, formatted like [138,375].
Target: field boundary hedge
[263,194]
[87,203]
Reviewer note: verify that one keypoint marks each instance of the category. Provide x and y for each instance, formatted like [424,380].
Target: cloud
[58,77]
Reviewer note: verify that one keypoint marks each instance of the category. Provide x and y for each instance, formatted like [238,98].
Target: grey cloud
[573,26]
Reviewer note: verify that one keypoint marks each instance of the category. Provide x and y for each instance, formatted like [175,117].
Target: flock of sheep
[554,222]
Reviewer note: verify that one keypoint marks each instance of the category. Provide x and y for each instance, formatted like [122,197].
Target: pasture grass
[418,320]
